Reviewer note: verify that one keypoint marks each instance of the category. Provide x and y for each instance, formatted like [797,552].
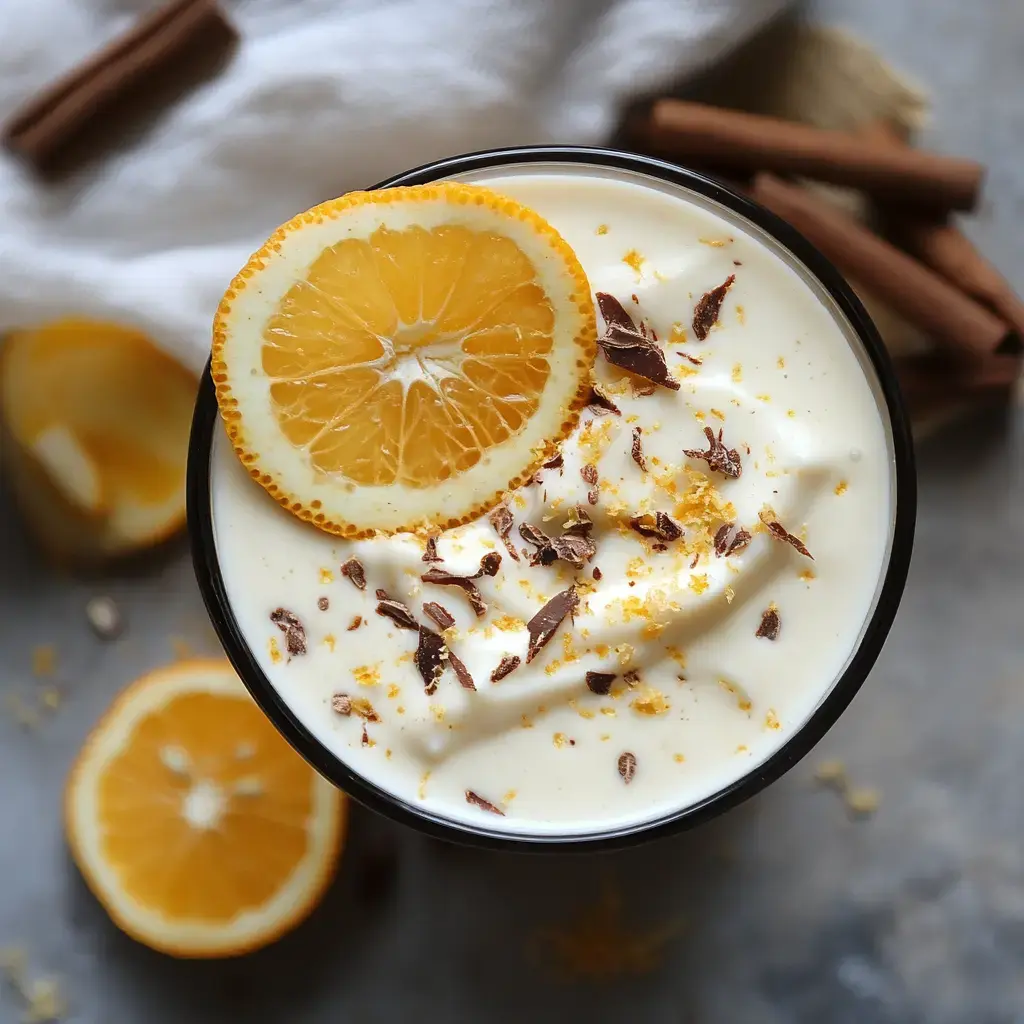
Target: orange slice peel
[198,828]
[399,359]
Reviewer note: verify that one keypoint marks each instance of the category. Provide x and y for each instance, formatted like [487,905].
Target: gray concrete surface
[786,911]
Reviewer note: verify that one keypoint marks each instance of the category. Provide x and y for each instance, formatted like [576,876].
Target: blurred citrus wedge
[399,359]
[95,427]
[194,823]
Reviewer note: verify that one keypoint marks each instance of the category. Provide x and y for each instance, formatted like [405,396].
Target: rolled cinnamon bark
[941,245]
[920,295]
[164,41]
[931,383]
[729,138]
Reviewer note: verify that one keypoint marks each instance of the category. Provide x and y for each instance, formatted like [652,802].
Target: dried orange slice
[95,432]
[397,359]
[194,823]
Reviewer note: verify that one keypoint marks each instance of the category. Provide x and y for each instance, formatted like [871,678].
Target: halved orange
[194,823]
[95,424]
[398,359]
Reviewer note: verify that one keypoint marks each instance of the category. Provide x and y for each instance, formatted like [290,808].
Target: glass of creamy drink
[660,620]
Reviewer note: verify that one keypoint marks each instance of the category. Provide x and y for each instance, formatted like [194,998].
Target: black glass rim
[211,583]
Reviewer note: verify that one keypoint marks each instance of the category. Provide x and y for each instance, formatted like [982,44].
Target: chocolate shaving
[597,573]
[589,473]
[397,613]
[638,449]
[502,521]
[429,658]
[383,595]
[356,622]
[627,766]
[342,704]
[695,560]
[600,682]
[440,614]
[656,524]
[779,532]
[592,497]
[729,540]
[294,632]
[489,564]
[628,347]
[543,625]
[555,462]
[572,548]
[461,672]
[599,402]
[365,739]
[705,313]
[508,664]
[353,569]
[431,555]
[769,628]
[719,458]
[357,705]
[488,567]
[692,359]
[484,805]
[631,678]
[323,604]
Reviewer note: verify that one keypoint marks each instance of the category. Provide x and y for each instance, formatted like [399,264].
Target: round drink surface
[625,670]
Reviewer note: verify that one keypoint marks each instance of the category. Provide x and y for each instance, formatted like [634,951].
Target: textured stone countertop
[784,912]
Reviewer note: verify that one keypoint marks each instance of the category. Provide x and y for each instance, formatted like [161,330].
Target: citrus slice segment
[95,423]
[399,359]
[197,827]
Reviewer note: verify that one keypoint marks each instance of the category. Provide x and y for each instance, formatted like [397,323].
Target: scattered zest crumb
[650,701]
[841,487]
[627,766]
[635,260]
[862,801]
[44,660]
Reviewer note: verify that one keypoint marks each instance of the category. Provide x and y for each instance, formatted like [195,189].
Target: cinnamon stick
[920,295]
[941,245]
[173,35]
[699,133]
[931,383]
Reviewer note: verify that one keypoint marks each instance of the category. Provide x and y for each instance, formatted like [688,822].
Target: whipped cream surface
[698,698]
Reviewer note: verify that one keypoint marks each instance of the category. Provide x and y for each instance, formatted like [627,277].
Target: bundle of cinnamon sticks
[919,263]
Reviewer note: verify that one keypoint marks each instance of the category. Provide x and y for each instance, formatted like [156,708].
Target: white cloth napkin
[322,96]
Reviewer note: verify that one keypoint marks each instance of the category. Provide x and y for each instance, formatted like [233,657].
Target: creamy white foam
[783,379]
